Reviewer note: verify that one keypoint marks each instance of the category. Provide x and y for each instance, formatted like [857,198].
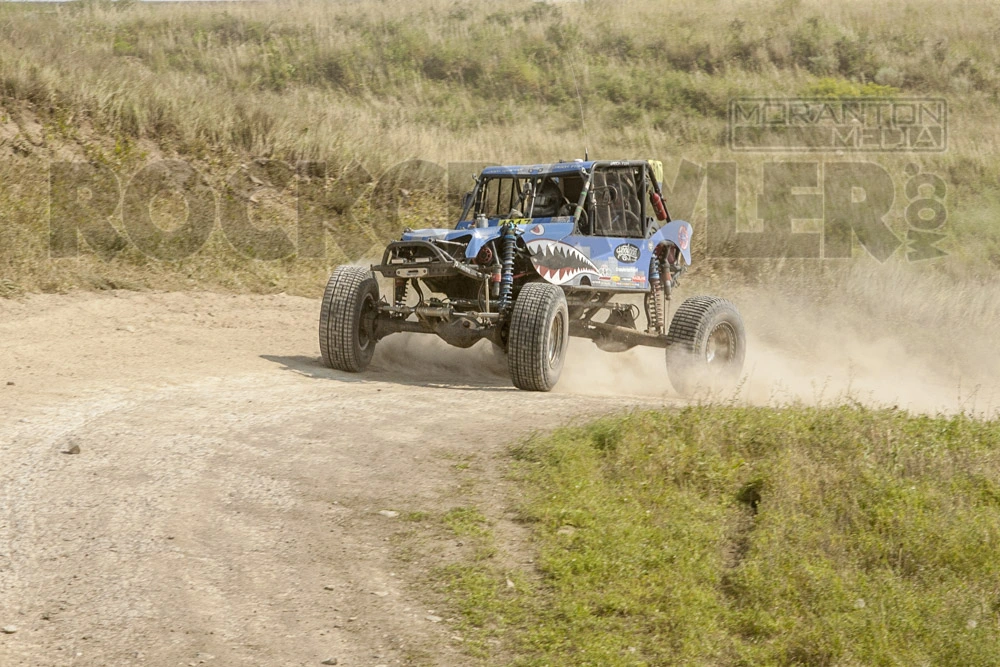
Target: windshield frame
[519,198]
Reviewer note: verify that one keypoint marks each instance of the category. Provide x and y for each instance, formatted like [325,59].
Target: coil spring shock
[655,297]
[402,291]
[509,239]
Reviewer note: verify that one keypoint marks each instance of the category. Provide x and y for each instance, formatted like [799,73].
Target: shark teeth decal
[559,263]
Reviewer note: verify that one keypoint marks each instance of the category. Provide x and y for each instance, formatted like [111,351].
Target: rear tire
[707,345]
[538,338]
[346,319]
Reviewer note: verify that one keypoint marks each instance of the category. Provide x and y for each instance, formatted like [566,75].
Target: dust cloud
[880,336]
[426,359]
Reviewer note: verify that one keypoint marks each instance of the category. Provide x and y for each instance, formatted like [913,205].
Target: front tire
[538,338]
[707,345]
[346,319]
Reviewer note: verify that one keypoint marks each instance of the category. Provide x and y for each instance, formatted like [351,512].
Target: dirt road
[224,506]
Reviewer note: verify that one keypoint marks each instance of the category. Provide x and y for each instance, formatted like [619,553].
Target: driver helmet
[548,200]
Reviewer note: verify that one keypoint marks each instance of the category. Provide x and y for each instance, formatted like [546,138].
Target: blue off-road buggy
[541,253]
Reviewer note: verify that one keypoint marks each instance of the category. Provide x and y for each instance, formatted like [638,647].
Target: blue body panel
[536,169]
[564,258]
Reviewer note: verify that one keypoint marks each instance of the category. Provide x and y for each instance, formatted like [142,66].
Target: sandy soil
[224,506]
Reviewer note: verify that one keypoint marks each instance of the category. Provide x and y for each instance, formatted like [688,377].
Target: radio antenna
[583,117]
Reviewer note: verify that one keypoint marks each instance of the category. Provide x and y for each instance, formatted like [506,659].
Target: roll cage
[604,198]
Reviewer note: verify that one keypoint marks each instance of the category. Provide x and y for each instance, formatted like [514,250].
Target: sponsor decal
[627,253]
[616,279]
[639,278]
[683,237]
[559,262]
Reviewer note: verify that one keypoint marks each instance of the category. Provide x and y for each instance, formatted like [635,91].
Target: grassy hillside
[736,536]
[372,83]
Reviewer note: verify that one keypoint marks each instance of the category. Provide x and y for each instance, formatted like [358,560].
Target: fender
[475,238]
[677,232]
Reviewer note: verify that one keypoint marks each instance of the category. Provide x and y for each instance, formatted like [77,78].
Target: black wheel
[707,345]
[539,335]
[347,318]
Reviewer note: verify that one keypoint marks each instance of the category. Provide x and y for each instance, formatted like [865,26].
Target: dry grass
[374,83]
[445,80]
